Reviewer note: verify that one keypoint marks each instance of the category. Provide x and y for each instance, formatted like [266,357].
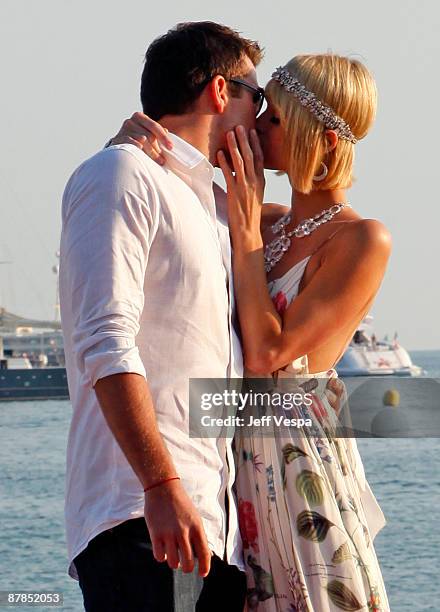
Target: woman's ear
[218,93]
[332,140]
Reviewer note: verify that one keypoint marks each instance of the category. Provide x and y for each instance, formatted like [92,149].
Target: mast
[3,263]
[56,270]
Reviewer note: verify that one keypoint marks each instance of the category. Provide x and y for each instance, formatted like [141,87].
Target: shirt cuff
[118,361]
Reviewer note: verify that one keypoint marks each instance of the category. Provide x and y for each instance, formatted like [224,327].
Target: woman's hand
[146,134]
[245,185]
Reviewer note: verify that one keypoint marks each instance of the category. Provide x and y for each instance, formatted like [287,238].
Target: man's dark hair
[179,64]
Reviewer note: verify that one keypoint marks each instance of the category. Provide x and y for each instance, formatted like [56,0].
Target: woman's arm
[144,133]
[338,295]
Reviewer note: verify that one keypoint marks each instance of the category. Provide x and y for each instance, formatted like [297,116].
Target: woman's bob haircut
[349,89]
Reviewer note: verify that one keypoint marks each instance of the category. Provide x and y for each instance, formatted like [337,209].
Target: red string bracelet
[160,482]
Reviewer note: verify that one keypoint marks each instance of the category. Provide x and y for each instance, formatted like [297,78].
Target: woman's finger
[227,172]
[153,151]
[131,137]
[129,140]
[245,151]
[257,152]
[157,150]
[237,160]
[152,126]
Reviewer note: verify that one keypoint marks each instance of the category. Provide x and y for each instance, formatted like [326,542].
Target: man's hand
[174,524]
[146,134]
[176,529]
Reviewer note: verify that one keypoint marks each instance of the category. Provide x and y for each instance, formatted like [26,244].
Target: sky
[70,74]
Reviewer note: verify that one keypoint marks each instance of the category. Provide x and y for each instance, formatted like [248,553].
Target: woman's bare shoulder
[367,232]
[270,213]
[360,239]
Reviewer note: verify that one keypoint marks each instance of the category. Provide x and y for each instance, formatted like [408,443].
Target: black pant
[118,573]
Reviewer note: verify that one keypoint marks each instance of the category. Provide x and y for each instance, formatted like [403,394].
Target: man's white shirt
[146,287]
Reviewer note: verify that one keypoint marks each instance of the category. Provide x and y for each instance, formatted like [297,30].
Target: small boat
[31,359]
[20,381]
[367,356]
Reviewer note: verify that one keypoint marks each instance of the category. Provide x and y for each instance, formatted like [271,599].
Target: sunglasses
[258,96]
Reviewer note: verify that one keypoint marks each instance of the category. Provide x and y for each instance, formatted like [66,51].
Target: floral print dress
[307,515]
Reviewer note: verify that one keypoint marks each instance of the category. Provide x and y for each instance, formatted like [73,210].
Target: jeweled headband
[325,114]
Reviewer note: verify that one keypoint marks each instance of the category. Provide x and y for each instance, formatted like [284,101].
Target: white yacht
[367,356]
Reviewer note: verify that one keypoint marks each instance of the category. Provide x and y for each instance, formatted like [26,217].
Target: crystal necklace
[276,249]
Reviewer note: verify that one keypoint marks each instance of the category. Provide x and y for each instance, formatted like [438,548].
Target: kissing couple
[166,277]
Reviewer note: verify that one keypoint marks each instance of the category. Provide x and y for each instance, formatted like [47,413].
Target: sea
[403,473]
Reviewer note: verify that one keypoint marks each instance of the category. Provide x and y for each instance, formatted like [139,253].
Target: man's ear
[218,93]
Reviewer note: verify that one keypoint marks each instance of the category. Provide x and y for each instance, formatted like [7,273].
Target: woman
[304,279]
[307,515]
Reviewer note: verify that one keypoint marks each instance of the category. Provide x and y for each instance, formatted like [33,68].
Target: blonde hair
[349,89]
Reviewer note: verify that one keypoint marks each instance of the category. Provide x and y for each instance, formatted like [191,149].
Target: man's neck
[195,129]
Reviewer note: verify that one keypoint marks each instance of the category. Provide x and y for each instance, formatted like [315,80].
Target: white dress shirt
[145,287]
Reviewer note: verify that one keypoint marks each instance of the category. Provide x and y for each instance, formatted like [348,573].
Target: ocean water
[404,475]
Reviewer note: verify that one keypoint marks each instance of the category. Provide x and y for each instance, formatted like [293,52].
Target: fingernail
[169,145]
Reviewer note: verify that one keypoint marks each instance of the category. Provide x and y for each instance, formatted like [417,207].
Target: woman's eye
[275,120]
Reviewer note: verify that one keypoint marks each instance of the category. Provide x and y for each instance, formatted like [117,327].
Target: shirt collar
[185,155]
[192,167]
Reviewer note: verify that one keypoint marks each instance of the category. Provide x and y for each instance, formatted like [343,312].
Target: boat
[32,362]
[31,359]
[367,356]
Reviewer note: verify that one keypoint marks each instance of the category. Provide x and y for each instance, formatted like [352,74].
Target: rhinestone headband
[325,114]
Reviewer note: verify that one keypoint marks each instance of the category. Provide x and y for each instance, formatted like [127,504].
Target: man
[146,305]
[146,300]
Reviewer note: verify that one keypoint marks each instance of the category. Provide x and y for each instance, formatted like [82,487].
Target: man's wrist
[161,482]
[165,490]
